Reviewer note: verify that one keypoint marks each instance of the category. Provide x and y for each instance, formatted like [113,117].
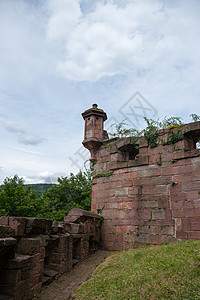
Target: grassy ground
[157,272]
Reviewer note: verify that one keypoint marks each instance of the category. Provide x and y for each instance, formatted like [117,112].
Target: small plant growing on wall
[159,163]
[151,131]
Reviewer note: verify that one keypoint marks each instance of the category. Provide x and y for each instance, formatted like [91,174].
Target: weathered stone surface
[19,262]
[74,228]
[6,231]
[37,247]
[158,214]
[153,195]
[75,214]
[36,226]
[4,220]
[18,224]
[29,246]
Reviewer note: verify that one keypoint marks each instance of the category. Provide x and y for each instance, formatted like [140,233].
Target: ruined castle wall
[33,252]
[150,196]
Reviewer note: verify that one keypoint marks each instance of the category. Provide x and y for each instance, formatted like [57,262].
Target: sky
[134,58]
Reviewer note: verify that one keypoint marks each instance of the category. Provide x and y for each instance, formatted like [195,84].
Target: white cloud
[115,39]
[64,16]
[22,134]
[31,140]
[12,126]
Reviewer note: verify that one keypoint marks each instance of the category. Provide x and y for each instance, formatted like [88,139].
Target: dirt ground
[62,288]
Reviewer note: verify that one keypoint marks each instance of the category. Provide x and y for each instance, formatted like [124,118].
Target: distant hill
[40,187]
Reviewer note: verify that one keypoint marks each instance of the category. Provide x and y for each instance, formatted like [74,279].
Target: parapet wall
[149,195]
[33,252]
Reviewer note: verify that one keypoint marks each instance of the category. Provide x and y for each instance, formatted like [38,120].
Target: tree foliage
[15,200]
[71,192]
[55,203]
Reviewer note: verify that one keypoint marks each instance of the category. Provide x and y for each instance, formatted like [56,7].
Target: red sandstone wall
[33,252]
[152,199]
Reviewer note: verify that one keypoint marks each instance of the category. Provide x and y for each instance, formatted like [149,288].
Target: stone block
[194,235]
[167,230]
[75,214]
[4,220]
[72,228]
[148,190]
[128,183]
[162,189]
[121,192]
[149,204]
[178,224]
[127,205]
[158,214]
[118,214]
[144,214]
[182,235]
[189,205]
[168,239]
[57,230]
[38,226]
[116,177]
[178,196]
[195,224]
[18,224]
[155,239]
[131,175]
[6,231]
[29,246]
[118,246]
[19,262]
[177,205]
[121,229]
[197,204]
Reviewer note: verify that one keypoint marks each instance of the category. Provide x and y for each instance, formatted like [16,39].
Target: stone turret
[94,133]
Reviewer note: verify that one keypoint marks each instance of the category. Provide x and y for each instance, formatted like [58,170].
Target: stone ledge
[27,226]
[141,161]
[76,213]
[186,154]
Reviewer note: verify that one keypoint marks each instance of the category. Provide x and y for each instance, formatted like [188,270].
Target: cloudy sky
[134,58]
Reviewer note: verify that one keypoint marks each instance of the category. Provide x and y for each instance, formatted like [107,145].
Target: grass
[157,272]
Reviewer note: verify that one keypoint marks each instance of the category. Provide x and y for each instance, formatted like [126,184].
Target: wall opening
[193,140]
[132,153]
[93,246]
[76,255]
[49,274]
[128,148]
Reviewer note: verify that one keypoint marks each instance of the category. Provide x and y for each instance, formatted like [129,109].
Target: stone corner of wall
[75,213]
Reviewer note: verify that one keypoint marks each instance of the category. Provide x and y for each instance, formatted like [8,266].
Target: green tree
[17,201]
[71,192]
